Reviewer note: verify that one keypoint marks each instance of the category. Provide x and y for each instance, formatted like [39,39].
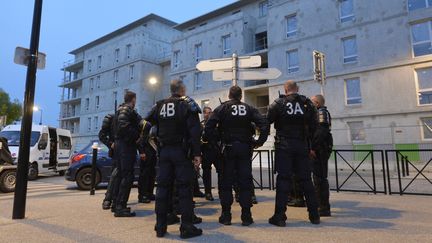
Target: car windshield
[88,149]
[13,137]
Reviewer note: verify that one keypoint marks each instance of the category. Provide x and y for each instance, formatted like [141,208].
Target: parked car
[80,166]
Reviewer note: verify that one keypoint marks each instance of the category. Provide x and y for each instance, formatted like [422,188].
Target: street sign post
[20,196]
[22,57]
[319,69]
[235,68]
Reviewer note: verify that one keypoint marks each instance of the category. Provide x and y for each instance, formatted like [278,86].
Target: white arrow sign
[227,63]
[245,74]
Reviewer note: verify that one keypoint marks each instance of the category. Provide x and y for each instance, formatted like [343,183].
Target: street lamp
[35,108]
[153,81]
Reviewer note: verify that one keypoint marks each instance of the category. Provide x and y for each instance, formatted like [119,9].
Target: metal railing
[265,162]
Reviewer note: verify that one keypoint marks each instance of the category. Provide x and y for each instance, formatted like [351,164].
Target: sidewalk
[69,216]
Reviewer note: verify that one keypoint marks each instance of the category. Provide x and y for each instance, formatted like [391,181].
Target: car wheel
[83,178]
[33,171]
[61,172]
[7,181]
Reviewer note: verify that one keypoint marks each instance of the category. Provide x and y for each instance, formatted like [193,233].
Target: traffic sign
[227,63]
[247,74]
[22,57]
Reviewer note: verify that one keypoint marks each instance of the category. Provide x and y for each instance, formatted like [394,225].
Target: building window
[131,71]
[426,123]
[99,61]
[116,72]
[89,124]
[89,65]
[421,38]
[357,131]
[424,86]
[418,4]
[352,91]
[226,44]
[87,104]
[91,85]
[198,52]
[198,81]
[291,25]
[97,100]
[346,8]
[226,83]
[176,59]
[117,54]
[350,49]
[263,9]
[293,61]
[128,51]
[98,82]
[96,123]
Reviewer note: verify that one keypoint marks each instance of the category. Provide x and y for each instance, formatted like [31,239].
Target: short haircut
[290,85]
[235,92]
[320,98]
[176,85]
[207,108]
[129,96]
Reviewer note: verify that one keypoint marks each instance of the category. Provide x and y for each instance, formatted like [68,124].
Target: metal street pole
[26,125]
[40,122]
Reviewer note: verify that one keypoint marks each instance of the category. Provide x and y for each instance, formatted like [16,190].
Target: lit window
[421,38]
[131,71]
[198,52]
[353,92]
[176,59]
[293,61]
[263,9]
[424,84]
[357,131]
[117,54]
[346,10]
[350,49]
[226,44]
[291,25]
[198,81]
[418,4]
[426,123]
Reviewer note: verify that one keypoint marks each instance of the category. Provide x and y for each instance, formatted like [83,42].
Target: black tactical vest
[324,117]
[293,110]
[236,122]
[172,114]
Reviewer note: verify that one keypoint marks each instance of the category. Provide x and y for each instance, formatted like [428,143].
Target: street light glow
[35,108]
[152,80]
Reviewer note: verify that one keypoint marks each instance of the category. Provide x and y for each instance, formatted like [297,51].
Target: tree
[12,110]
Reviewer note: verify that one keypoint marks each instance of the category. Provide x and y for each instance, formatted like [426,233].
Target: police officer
[179,139]
[322,145]
[234,120]
[106,136]
[295,121]
[209,153]
[148,159]
[126,134]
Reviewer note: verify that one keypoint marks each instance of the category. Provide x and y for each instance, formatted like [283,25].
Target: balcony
[71,99]
[71,82]
[74,64]
[164,58]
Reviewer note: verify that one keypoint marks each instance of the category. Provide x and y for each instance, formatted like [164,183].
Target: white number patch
[238,110]
[167,110]
[294,110]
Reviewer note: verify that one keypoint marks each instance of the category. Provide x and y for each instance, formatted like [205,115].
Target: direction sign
[247,74]
[227,63]
[22,57]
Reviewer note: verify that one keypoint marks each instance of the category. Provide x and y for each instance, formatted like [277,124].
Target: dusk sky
[67,25]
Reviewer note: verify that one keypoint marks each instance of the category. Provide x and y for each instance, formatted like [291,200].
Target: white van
[50,148]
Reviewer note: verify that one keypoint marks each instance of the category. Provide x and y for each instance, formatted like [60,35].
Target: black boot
[160,231]
[278,220]
[172,219]
[144,199]
[254,199]
[325,212]
[314,217]
[198,193]
[225,218]
[106,204]
[246,217]
[209,196]
[297,202]
[189,231]
[196,219]
[124,213]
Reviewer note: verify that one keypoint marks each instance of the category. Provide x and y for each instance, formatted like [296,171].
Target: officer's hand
[312,154]
[143,156]
[197,162]
[256,144]
[112,146]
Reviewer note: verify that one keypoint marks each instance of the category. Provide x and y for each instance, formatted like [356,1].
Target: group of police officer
[173,140]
